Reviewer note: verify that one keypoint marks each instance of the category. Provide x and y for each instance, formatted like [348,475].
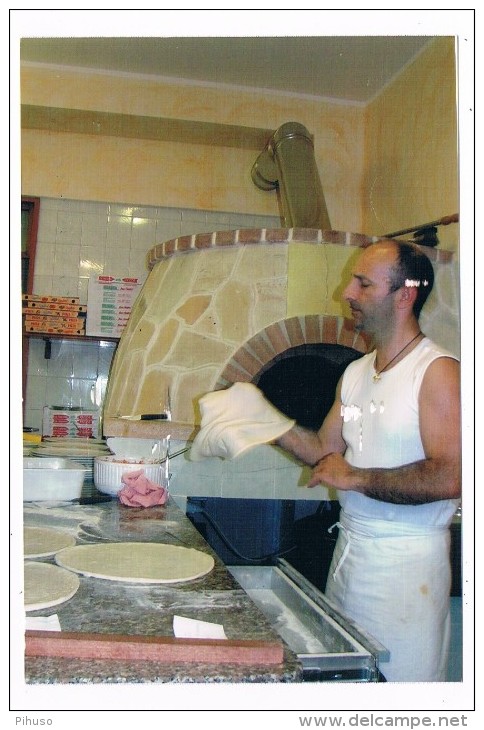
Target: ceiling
[347,68]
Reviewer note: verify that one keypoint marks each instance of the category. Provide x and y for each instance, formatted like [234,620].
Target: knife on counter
[147,417]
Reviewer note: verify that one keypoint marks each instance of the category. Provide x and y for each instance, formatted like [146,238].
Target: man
[391,447]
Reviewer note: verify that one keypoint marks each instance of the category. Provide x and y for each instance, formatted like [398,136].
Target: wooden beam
[163,129]
[164,649]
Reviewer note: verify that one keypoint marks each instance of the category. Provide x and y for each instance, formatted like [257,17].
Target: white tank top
[381,429]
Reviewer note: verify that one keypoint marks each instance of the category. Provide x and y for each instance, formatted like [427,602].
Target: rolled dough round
[47,585]
[39,542]
[136,562]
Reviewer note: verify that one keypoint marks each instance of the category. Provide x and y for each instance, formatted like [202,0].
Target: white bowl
[52,479]
[108,471]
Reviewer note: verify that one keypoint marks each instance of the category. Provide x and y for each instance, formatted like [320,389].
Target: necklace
[377,375]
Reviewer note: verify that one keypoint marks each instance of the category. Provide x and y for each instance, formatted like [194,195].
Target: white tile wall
[77,240]
[265,472]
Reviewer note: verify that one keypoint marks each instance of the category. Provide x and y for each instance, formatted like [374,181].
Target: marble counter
[102,606]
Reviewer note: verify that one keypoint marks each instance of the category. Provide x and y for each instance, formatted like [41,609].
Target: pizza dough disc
[136,562]
[47,585]
[39,542]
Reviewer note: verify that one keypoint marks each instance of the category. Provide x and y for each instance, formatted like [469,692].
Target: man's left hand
[334,471]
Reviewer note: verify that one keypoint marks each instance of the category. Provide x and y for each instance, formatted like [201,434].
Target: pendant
[376,377]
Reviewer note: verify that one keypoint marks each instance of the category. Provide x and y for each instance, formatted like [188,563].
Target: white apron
[409,613]
[391,567]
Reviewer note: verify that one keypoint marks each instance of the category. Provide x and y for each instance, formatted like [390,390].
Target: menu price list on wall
[109,303]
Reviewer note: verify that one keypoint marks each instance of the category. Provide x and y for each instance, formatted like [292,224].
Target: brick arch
[268,344]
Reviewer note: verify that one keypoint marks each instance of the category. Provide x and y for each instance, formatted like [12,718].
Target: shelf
[124,428]
[48,337]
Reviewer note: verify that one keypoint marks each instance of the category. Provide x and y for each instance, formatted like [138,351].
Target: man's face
[368,293]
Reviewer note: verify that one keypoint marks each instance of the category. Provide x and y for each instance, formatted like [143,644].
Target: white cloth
[394,581]
[235,420]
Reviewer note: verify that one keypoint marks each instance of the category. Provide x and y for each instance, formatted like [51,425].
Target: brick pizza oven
[227,306]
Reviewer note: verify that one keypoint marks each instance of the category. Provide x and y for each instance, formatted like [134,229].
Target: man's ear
[407,297]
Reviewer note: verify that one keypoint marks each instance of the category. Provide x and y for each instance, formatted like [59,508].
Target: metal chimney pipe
[287,163]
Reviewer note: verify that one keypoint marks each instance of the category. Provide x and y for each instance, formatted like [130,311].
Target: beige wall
[411,162]
[182,174]
[383,167]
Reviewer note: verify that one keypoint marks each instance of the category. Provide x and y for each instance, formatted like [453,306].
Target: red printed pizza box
[49,298]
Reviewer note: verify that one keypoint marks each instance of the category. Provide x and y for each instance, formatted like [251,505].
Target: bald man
[391,447]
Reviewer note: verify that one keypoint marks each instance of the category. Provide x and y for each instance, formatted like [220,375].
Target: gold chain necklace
[377,375]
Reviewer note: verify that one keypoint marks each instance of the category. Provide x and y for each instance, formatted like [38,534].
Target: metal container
[329,646]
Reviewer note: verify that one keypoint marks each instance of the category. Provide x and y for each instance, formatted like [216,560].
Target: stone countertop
[102,606]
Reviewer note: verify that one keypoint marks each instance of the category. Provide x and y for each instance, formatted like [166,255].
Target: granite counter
[104,606]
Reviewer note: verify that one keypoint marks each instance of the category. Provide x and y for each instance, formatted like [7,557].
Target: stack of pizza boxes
[70,422]
[53,315]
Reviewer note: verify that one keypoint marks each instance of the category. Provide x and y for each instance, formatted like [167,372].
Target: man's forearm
[302,443]
[423,481]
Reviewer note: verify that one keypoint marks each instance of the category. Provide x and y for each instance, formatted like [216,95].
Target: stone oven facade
[223,307]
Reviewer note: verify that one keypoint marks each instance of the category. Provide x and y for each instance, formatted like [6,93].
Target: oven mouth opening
[301,381]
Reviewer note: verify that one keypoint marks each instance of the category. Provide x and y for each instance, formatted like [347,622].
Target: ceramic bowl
[108,471]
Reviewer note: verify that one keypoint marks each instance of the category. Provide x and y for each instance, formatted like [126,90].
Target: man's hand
[334,471]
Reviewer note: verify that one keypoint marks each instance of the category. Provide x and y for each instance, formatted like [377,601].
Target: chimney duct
[287,164]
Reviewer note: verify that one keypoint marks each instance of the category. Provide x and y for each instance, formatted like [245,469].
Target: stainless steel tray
[329,646]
